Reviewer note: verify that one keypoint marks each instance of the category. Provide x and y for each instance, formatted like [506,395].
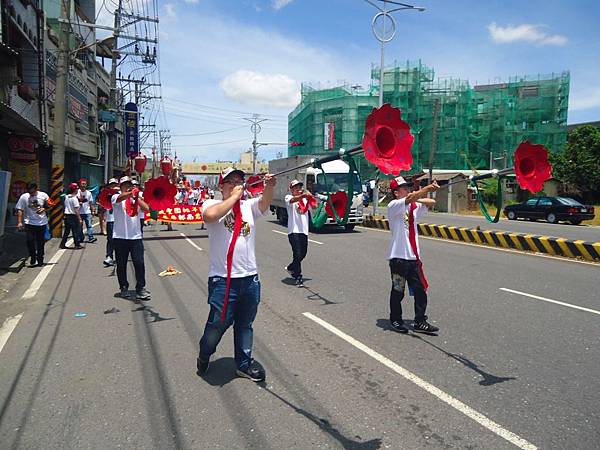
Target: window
[531,202]
[545,202]
[568,201]
[336,182]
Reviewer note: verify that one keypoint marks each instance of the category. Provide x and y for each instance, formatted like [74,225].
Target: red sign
[179,214]
[22,149]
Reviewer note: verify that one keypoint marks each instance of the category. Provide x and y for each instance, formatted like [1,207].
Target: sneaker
[92,240]
[32,262]
[62,246]
[254,371]
[108,262]
[398,325]
[142,294]
[300,282]
[202,366]
[288,271]
[78,247]
[123,293]
[425,327]
[40,263]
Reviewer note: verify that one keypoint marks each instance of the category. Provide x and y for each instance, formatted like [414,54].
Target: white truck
[336,175]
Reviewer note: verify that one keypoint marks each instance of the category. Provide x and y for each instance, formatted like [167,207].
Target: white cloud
[524,33]
[170,11]
[588,99]
[192,2]
[279,4]
[247,86]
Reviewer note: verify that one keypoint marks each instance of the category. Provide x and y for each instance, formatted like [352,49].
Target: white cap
[113,180]
[295,183]
[124,179]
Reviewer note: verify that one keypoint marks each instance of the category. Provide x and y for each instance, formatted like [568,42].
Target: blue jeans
[87,219]
[244,297]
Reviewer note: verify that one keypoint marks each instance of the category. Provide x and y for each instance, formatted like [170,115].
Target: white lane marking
[446,398]
[549,300]
[285,234]
[190,241]
[498,249]
[7,328]
[41,277]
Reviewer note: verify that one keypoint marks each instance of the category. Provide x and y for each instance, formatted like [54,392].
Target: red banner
[179,214]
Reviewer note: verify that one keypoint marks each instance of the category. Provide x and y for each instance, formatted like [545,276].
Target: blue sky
[249,56]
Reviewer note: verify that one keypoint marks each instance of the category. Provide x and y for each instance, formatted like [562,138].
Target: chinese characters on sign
[179,214]
[131,130]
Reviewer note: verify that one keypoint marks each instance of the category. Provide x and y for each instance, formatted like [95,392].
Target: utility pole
[112,100]
[60,122]
[255,129]
[436,112]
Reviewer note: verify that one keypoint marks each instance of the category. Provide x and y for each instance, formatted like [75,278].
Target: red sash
[237,227]
[412,237]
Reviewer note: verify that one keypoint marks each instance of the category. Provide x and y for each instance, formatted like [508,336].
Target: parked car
[553,209]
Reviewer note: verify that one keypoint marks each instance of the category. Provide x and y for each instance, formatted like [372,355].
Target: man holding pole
[297,212]
[404,258]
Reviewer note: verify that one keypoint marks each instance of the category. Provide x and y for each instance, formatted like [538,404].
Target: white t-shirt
[109,216]
[85,207]
[71,204]
[220,234]
[297,222]
[125,227]
[398,219]
[29,205]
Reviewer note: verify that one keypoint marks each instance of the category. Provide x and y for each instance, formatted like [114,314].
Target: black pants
[406,271]
[72,225]
[36,242]
[299,243]
[109,239]
[123,248]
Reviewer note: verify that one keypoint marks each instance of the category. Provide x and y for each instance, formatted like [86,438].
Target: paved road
[567,231]
[127,380]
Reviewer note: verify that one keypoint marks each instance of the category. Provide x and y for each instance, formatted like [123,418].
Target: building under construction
[458,125]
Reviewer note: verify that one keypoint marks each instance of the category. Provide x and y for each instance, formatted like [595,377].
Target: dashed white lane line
[190,241]
[446,398]
[7,328]
[549,300]
[310,240]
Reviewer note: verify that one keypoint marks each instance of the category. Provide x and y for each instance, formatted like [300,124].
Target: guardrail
[589,251]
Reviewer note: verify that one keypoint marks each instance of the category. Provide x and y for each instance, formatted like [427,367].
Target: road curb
[588,251]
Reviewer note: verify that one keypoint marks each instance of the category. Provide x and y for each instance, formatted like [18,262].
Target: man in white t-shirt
[110,222]
[73,221]
[128,206]
[86,209]
[404,257]
[297,213]
[31,216]
[240,306]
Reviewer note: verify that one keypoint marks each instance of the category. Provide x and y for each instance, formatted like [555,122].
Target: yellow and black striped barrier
[57,211]
[589,251]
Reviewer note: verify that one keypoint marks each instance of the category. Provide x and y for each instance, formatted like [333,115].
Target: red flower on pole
[531,166]
[340,201]
[105,196]
[387,140]
[166,166]
[139,163]
[305,204]
[255,185]
[159,193]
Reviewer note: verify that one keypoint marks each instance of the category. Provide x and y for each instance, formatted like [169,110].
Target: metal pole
[112,101]
[60,123]
[434,127]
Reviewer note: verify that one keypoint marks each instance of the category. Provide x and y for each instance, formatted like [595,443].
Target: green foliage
[489,191]
[579,164]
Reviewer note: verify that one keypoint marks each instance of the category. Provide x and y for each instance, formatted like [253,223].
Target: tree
[579,164]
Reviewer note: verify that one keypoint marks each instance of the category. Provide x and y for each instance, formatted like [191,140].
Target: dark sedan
[553,209]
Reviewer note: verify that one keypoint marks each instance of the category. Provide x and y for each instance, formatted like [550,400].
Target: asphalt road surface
[562,230]
[507,370]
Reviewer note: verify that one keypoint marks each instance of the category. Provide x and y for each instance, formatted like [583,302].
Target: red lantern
[340,201]
[159,193]
[387,140]
[531,166]
[139,163]
[255,185]
[166,166]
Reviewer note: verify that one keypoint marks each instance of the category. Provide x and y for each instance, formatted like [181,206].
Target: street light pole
[384,15]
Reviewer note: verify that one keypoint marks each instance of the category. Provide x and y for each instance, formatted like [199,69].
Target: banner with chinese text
[179,214]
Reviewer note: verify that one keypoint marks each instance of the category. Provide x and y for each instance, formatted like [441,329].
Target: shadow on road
[221,372]
[326,426]
[170,238]
[313,295]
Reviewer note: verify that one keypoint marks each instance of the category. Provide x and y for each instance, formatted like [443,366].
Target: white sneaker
[109,261]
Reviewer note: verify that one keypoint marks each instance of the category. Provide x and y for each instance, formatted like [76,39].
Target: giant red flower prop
[166,166]
[159,193]
[255,185]
[531,166]
[340,201]
[387,140]
[139,163]
[105,196]
[306,203]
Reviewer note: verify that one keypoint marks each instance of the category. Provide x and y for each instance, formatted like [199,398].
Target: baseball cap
[295,183]
[73,186]
[228,171]
[398,182]
[113,181]
[124,179]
